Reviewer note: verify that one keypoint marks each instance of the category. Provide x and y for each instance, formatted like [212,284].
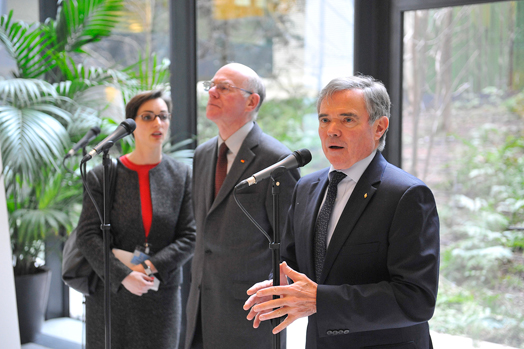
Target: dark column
[373,56]
[183,69]
[183,40]
[48,9]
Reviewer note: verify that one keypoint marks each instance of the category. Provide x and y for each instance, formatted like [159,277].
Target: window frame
[372,48]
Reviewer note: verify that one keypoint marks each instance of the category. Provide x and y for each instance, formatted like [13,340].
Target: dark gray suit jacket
[379,282]
[152,320]
[231,253]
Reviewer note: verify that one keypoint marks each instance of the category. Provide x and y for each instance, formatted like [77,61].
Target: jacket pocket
[405,345]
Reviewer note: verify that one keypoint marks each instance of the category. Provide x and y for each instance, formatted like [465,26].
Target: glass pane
[142,30]
[295,46]
[462,130]
[142,33]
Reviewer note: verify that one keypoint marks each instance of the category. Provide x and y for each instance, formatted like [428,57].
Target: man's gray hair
[255,84]
[376,97]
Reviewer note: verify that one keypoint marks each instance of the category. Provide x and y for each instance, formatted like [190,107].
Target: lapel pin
[242,160]
[365,195]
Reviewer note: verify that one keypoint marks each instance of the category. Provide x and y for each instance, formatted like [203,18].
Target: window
[295,46]
[462,128]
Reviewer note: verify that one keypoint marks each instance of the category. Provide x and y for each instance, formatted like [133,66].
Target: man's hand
[296,300]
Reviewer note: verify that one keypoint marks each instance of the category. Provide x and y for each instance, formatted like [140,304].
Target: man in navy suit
[363,254]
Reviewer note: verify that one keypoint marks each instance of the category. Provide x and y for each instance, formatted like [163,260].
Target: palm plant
[47,103]
[39,112]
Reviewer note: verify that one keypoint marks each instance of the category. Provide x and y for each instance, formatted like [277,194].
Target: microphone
[89,136]
[296,159]
[125,128]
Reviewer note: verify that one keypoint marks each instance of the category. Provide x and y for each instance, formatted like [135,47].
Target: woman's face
[151,133]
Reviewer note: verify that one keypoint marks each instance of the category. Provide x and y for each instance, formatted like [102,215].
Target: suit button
[208,251]
[329,333]
[346,331]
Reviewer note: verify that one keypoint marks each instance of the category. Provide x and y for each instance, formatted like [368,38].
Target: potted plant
[37,121]
[43,107]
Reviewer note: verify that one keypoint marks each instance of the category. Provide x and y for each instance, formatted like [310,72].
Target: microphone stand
[106,227]
[275,244]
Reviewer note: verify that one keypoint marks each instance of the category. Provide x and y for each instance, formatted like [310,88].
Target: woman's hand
[138,283]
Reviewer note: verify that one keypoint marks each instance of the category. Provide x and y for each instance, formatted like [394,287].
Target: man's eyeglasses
[222,87]
[148,117]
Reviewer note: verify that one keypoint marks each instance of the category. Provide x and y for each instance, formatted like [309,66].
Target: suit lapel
[243,160]
[209,167]
[357,203]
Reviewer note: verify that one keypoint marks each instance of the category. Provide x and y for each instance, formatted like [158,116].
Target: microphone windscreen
[303,157]
[129,125]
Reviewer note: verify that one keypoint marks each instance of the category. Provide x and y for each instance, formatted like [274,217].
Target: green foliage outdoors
[482,262]
[294,122]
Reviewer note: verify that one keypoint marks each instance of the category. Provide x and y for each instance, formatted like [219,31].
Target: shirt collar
[355,172]
[234,142]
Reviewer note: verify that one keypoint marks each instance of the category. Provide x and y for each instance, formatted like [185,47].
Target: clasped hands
[297,300]
[137,282]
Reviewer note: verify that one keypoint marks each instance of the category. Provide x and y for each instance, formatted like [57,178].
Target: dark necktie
[321,226]
[221,170]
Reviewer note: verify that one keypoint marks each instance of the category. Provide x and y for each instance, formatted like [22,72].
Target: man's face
[344,129]
[232,106]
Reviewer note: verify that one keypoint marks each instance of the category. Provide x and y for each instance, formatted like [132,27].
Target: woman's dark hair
[134,104]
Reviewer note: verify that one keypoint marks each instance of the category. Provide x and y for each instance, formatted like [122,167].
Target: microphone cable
[66,167]
[83,174]
[250,217]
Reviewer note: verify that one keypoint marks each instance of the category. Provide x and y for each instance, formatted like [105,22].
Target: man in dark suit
[231,253]
[361,243]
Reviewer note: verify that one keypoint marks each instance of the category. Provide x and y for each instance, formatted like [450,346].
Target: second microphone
[125,128]
[296,159]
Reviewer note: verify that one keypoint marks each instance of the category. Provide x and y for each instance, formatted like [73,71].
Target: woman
[152,213]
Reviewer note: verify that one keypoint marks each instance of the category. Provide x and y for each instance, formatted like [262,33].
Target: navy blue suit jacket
[379,282]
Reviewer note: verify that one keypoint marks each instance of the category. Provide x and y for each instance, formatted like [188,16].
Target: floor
[66,333]
[60,333]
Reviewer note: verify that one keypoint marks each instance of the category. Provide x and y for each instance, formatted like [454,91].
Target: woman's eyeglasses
[151,116]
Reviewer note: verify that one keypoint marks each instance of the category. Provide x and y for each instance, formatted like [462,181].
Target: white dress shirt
[234,142]
[345,189]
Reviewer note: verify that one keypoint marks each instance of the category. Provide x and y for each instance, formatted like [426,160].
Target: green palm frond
[21,93]
[31,134]
[34,224]
[145,75]
[84,21]
[5,24]
[30,138]
[80,78]
[33,46]
[49,204]
[179,151]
